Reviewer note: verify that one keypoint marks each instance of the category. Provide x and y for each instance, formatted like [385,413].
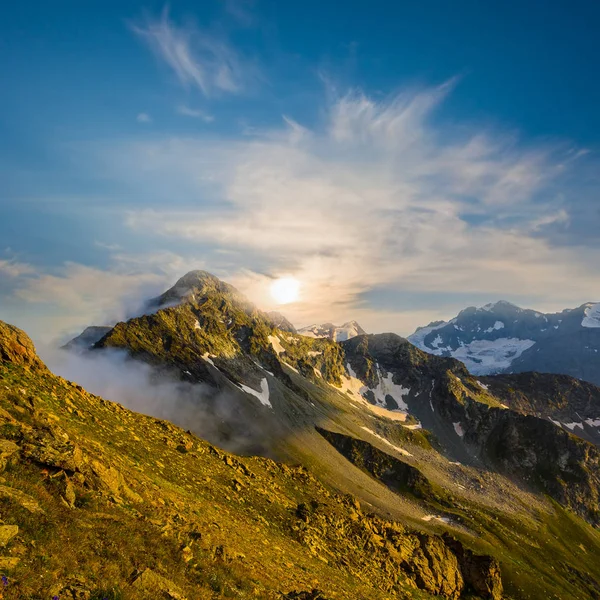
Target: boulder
[149,582]
[27,502]
[7,450]
[16,347]
[7,533]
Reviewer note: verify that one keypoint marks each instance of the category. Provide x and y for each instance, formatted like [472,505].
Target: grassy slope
[546,565]
[216,525]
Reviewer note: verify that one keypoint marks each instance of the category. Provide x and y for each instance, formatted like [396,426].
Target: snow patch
[263,395]
[314,353]
[276,343]
[387,387]
[572,426]
[437,341]
[591,316]
[437,518]
[458,428]
[482,357]
[485,387]
[206,357]
[418,337]
[497,325]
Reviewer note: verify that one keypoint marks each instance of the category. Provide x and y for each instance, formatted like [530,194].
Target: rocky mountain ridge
[100,502]
[463,450]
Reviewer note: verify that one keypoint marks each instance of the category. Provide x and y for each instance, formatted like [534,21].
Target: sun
[285,290]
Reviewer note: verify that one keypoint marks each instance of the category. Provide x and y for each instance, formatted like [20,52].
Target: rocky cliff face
[17,348]
[440,565]
[532,449]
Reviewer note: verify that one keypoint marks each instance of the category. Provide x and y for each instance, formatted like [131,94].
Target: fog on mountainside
[211,414]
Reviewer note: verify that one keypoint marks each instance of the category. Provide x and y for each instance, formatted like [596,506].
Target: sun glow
[285,290]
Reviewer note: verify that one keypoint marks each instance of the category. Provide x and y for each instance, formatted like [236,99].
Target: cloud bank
[380,195]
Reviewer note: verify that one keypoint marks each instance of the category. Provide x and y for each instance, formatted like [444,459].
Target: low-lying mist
[216,415]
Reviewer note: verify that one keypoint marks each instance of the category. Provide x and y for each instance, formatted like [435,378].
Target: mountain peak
[192,283]
[334,332]
[500,304]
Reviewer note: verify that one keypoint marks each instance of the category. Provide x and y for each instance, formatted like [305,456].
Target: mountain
[333,332]
[500,494]
[87,338]
[101,502]
[503,338]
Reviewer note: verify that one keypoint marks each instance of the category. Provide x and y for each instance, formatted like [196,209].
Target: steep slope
[333,332]
[408,411]
[101,502]
[502,337]
[474,426]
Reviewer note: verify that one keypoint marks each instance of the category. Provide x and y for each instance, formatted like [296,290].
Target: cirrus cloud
[199,58]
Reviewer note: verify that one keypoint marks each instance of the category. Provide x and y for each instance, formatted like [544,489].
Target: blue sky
[402,160]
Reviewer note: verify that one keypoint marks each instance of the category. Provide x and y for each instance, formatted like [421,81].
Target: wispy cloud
[13,268]
[87,295]
[240,10]
[143,118]
[380,196]
[196,113]
[199,58]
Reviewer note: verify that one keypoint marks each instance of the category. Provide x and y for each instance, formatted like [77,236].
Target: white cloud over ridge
[80,295]
[380,197]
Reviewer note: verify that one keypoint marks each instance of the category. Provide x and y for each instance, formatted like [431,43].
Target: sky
[400,160]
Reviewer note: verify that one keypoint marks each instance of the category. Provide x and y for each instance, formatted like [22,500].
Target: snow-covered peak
[329,330]
[501,304]
[501,337]
[591,315]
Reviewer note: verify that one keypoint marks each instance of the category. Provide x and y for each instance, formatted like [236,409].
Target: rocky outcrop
[8,450]
[481,572]
[540,454]
[16,347]
[396,474]
[312,595]
[7,533]
[20,498]
[149,584]
[388,553]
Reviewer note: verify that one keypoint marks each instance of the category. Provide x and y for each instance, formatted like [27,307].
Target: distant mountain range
[333,332]
[503,338]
